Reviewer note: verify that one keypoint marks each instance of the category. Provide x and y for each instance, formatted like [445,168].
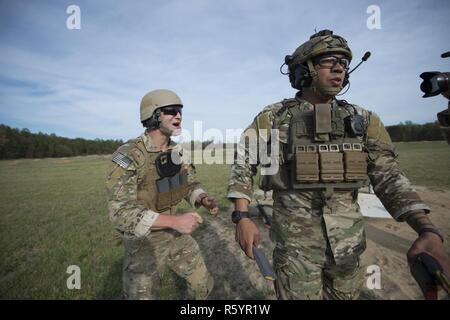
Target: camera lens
[434,83]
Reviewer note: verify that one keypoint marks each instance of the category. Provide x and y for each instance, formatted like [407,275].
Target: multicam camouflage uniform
[132,203]
[319,236]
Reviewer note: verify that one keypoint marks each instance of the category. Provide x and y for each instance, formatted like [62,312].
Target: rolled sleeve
[194,197]
[143,227]
[238,195]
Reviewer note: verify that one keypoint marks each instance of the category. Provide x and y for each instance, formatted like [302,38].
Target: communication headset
[301,77]
[154,121]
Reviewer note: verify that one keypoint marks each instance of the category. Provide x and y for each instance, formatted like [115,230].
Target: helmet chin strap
[312,71]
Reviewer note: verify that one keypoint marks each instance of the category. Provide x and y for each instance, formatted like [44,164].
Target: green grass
[53,215]
[426,163]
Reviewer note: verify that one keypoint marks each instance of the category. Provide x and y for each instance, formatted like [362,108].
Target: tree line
[409,131]
[15,143]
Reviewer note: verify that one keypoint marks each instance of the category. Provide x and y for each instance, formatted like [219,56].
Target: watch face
[235,216]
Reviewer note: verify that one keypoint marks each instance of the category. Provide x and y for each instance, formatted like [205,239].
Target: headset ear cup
[155,119]
[302,78]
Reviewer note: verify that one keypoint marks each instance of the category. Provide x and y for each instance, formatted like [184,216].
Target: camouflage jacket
[131,215]
[389,182]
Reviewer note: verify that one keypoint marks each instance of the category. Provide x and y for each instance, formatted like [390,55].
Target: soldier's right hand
[247,234]
[187,222]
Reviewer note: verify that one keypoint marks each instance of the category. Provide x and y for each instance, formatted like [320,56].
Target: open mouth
[336,81]
[177,125]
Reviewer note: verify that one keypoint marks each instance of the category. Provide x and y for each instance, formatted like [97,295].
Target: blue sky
[222,57]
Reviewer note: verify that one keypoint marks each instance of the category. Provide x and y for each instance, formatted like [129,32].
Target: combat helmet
[300,65]
[156,99]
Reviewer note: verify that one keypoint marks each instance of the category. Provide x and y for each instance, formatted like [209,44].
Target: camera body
[434,83]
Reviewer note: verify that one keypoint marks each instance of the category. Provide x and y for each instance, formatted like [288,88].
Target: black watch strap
[236,216]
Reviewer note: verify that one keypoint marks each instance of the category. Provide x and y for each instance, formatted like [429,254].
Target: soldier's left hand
[432,244]
[211,204]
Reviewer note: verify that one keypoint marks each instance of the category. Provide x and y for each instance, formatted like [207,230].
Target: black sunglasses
[172,110]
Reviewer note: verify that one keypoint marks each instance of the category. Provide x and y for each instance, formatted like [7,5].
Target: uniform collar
[150,146]
[299,98]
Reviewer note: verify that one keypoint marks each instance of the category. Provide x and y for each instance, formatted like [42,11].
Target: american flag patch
[122,160]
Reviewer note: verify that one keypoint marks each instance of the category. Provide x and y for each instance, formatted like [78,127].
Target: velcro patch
[122,160]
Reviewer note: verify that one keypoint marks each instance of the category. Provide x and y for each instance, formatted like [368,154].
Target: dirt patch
[237,277]
[389,241]
[62,161]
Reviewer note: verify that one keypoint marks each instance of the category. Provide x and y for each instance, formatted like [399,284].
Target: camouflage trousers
[317,245]
[147,258]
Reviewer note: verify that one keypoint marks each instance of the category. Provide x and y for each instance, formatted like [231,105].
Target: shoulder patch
[121,159]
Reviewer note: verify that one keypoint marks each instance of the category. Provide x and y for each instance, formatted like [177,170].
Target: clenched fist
[211,204]
[187,222]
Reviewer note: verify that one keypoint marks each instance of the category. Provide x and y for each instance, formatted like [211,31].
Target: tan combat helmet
[320,43]
[157,99]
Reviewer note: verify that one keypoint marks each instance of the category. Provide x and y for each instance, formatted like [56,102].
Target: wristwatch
[236,216]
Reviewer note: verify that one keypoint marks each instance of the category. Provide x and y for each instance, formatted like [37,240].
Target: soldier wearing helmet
[328,150]
[326,50]
[148,179]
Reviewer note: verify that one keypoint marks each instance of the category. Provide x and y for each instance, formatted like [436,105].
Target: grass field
[53,215]
[426,163]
